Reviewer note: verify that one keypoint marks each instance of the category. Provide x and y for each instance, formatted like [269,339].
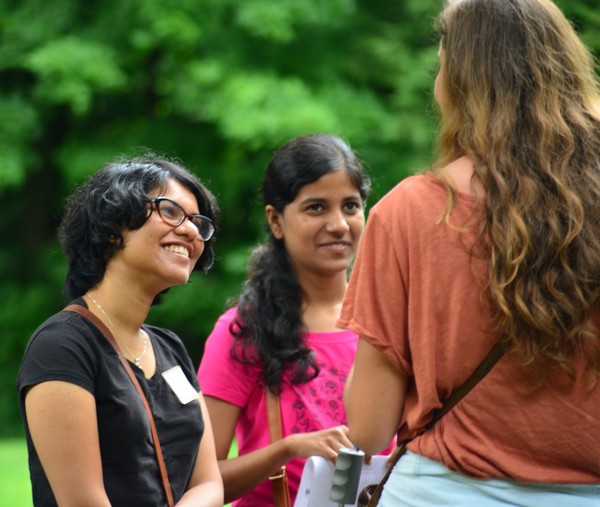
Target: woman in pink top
[500,240]
[281,335]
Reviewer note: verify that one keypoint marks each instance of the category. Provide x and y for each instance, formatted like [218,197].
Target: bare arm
[206,485]
[244,473]
[62,421]
[374,399]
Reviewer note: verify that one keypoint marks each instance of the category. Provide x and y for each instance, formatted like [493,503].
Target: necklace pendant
[145,337]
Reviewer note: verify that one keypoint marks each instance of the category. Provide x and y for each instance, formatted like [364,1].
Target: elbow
[369,433]
[370,442]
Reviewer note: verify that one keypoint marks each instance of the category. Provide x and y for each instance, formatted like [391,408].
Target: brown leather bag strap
[461,391]
[281,490]
[274,414]
[81,310]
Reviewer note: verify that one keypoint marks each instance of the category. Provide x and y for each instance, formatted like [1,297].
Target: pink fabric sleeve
[219,374]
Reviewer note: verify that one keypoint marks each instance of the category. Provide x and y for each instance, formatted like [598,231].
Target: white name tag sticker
[180,385]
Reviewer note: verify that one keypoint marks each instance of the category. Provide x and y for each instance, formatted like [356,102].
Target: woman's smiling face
[322,226]
[158,253]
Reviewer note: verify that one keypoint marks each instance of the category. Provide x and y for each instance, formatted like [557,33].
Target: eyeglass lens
[174,214]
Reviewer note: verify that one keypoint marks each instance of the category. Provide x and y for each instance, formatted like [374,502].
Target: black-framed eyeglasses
[173,214]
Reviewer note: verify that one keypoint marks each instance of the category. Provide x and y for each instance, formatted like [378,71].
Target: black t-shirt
[69,348]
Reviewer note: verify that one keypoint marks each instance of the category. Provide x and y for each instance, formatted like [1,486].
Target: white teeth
[177,249]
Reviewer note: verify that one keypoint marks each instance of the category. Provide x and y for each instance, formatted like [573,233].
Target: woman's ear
[274,221]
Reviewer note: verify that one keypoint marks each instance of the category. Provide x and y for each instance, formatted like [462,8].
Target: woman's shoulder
[221,339]
[415,197]
[218,369]
[428,191]
[64,327]
[228,316]
[411,190]
[64,347]
[223,323]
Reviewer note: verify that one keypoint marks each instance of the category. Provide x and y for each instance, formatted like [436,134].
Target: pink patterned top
[308,407]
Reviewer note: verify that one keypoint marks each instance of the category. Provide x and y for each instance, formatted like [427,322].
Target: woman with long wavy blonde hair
[499,240]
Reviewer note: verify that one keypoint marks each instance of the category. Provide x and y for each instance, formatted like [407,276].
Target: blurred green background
[217,83]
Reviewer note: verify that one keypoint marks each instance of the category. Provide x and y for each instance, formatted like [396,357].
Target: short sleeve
[63,348]
[219,374]
[376,299]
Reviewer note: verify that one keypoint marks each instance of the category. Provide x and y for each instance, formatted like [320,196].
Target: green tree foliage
[219,84]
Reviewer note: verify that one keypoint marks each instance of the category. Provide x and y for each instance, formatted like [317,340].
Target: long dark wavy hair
[269,328]
[520,97]
[113,200]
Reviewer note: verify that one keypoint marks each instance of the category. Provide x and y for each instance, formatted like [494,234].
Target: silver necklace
[137,359]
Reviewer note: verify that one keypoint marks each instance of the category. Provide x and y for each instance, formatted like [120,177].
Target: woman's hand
[243,473]
[325,443]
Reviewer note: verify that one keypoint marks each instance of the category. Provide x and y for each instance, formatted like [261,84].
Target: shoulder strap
[455,396]
[461,391]
[81,310]
[281,491]
[274,415]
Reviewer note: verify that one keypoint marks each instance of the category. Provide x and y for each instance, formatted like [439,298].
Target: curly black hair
[113,200]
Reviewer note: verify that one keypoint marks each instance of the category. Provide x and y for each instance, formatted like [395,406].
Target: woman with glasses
[280,336]
[132,231]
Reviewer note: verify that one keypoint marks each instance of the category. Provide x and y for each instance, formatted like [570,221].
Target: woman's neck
[322,318]
[125,310]
[322,302]
[124,313]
